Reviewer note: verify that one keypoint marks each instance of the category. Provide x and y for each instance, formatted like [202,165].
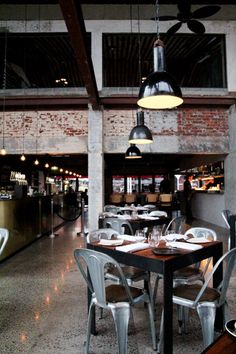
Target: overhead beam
[112,102]
[72,13]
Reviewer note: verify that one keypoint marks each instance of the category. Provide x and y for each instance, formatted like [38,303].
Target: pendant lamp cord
[4,89]
[139,49]
[157,18]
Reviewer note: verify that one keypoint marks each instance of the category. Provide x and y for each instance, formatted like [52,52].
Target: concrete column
[230,40]
[230,166]
[97,57]
[95,167]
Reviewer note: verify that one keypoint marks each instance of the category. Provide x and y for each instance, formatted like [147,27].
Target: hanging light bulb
[133,152]
[22,158]
[3,151]
[159,90]
[140,134]
[36,162]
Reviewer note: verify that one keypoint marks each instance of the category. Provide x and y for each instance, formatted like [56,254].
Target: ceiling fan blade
[165,18]
[174,29]
[205,11]
[196,26]
[184,6]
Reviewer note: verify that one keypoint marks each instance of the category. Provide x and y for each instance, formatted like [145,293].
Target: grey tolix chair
[204,299]
[226,213]
[4,235]
[192,273]
[118,298]
[120,225]
[132,274]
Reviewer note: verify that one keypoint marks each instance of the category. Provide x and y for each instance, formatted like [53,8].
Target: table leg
[168,310]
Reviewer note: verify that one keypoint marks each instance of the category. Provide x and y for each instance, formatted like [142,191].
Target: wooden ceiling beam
[72,13]
[115,102]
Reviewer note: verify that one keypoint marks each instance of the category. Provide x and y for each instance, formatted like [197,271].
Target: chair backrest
[105,233]
[228,260]
[111,208]
[176,224]
[129,198]
[226,215]
[165,198]
[158,213]
[116,198]
[97,263]
[4,235]
[152,197]
[120,225]
[202,232]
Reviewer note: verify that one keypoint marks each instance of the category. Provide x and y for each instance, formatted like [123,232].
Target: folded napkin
[185,245]
[106,242]
[172,237]
[133,247]
[131,238]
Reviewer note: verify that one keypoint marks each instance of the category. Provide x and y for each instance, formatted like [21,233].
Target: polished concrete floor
[43,304]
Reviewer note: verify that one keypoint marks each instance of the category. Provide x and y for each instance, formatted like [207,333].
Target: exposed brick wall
[204,122]
[190,130]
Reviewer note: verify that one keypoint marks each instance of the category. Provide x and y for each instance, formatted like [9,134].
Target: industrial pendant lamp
[140,134]
[133,152]
[159,90]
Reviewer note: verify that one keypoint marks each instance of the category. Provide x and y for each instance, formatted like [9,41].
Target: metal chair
[120,225]
[193,273]
[132,274]
[116,297]
[111,208]
[226,215]
[4,235]
[205,299]
[176,224]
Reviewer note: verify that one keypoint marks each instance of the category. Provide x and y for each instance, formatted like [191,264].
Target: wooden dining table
[139,222]
[166,265]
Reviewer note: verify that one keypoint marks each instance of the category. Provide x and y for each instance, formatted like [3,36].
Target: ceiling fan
[190,18]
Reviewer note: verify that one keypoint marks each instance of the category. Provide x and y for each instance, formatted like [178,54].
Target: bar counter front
[26,219]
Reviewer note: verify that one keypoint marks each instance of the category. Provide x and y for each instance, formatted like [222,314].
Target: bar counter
[26,219]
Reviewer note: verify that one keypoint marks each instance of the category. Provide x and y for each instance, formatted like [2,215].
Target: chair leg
[160,343]
[121,313]
[182,313]
[207,313]
[155,289]
[152,324]
[86,344]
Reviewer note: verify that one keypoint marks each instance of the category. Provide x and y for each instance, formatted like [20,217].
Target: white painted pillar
[95,167]
[230,166]
[97,57]
[230,40]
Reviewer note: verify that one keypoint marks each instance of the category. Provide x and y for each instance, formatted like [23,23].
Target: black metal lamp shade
[159,90]
[140,134]
[133,152]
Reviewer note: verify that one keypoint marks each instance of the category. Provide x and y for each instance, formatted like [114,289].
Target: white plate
[230,327]
[131,238]
[198,240]
[105,242]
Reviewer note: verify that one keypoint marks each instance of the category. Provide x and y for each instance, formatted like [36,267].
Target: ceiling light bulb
[3,151]
[36,162]
[22,157]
